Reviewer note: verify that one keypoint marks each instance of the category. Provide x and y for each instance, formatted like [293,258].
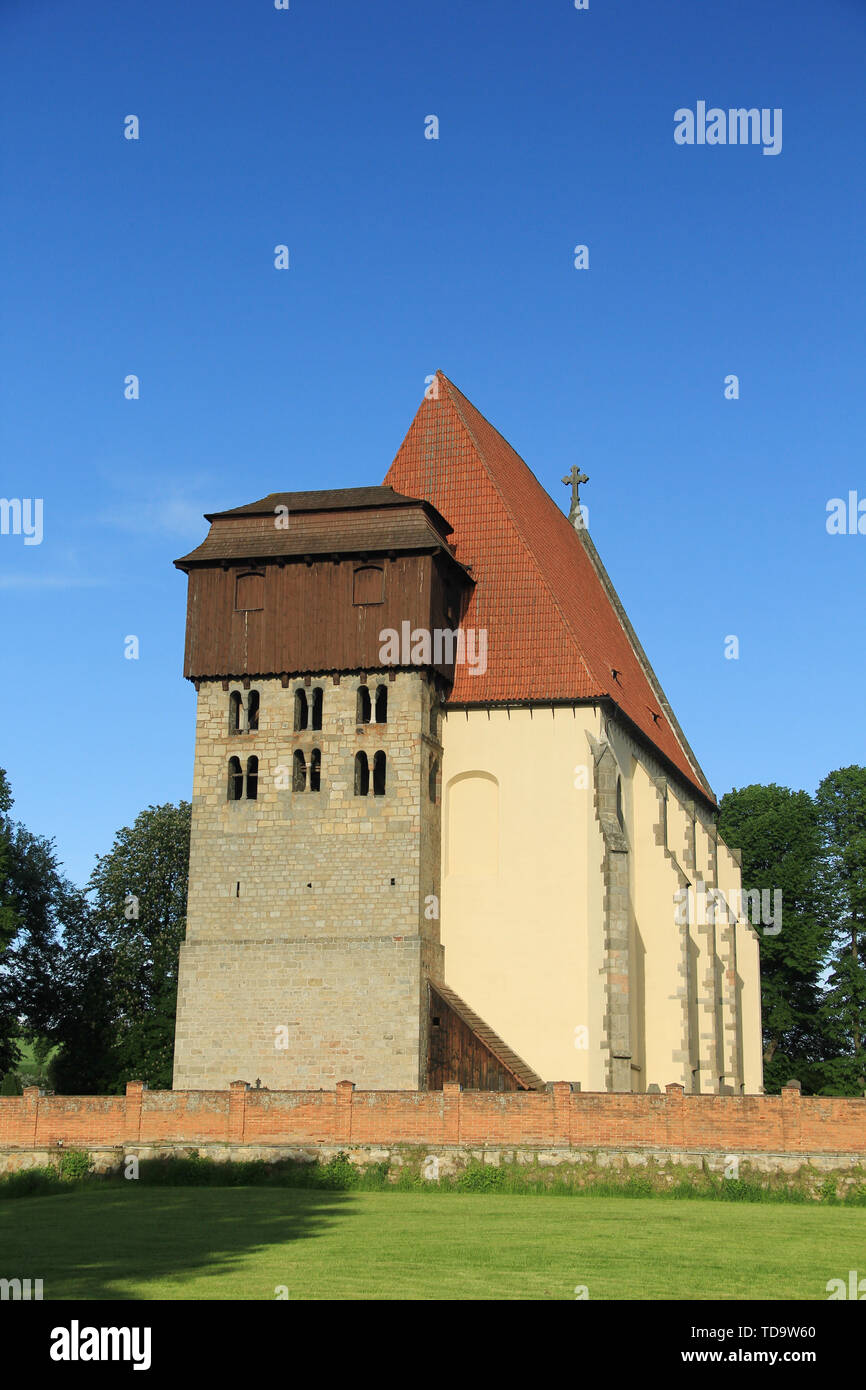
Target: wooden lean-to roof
[525,1079]
[556,628]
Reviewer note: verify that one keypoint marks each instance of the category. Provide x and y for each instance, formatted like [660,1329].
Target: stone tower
[313,923]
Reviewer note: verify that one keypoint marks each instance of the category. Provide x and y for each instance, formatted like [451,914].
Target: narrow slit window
[318,697]
[253,711]
[316,770]
[252,779]
[235,712]
[381,704]
[379,774]
[362,775]
[364,710]
[299,772]
[236,780]
[301,710]
[433,779]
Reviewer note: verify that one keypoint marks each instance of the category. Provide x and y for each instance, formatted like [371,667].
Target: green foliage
[778,833]
[841,805]
[32,1182]
[121,957]
[338,1174]
[481,1177]
[75,1165]
[11,1085]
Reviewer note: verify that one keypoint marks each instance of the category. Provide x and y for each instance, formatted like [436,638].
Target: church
[444,817]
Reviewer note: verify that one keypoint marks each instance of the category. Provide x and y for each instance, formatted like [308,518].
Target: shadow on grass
[151,1242]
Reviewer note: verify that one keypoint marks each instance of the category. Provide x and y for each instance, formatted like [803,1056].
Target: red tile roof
[555,626]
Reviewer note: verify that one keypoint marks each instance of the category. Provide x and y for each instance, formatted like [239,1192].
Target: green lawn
[240,1243]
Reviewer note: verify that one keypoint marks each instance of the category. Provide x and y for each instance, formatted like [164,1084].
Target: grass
[137,1242]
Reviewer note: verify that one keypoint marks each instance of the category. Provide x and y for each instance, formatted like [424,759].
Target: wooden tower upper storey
[305,582]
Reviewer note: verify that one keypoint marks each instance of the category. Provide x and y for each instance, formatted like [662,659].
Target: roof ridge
[584,539]
[515,524]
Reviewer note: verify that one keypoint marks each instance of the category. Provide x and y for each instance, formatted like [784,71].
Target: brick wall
[558,1116]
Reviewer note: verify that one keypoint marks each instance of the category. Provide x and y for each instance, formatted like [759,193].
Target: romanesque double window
[308,710]
[362,774]
[243,784]
[300,771]
[243,713]
[367,704]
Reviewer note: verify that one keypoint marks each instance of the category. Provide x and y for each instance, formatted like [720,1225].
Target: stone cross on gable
[576,512]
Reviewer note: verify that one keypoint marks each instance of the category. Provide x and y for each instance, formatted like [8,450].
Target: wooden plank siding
[464,1049]
[309,622]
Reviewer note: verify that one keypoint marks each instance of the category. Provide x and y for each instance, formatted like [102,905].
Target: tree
[36,902]
[841,806]
[778,832]
[8,927]
[139,919]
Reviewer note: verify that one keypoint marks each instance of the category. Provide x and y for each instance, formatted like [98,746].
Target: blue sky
[305,127]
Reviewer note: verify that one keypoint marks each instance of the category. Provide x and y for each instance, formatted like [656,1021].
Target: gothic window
[249,592]
[619,803]
[318,697]
[433,779]
[235,713]
[301,710]
[379,774]
[236,780]
[368,585]
[381,704]
[315,770]
[253,711]
[299,772]
[362,775]
[364,710]
[252,779]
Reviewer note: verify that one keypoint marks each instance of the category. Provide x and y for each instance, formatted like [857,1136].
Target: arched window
[299,772]
[301,710]
[364,711]
[253,711]
[619,803]
[315,770]
[368,585]
[379,774]
[381,704]
[236,780]
[362,774]
[432,781]
[434,719]
[252,779]
[249,592]
[235,713]
[318,697]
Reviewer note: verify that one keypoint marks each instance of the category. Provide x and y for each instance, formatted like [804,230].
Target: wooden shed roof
[527,1078]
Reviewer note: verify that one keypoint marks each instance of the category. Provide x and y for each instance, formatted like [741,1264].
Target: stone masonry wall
[306,909]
